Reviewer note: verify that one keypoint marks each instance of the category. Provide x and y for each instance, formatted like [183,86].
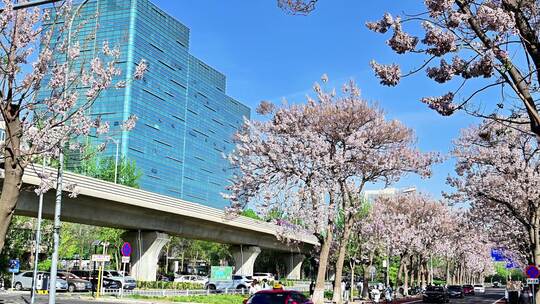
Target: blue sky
[269,55]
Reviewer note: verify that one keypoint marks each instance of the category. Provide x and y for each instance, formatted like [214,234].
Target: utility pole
[38,241]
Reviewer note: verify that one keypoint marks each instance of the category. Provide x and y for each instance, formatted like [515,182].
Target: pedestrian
[375,295]
[388,293]
[347,295]
[254,287]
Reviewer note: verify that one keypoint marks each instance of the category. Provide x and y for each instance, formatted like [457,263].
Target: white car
[261,276]
[479,288]
[129,282]
[190,278]
[23,280]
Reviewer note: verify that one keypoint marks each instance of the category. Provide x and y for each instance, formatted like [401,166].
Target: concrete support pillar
[244,259]
[146,247]
[293,262]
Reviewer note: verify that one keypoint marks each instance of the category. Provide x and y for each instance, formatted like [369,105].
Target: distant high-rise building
[186,120]
[372,195]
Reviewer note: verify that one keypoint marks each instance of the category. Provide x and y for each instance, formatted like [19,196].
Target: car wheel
[211,287]
[71,288]
[18,286]
[241,287]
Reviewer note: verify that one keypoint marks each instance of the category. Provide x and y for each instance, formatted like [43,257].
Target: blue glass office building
[186,120]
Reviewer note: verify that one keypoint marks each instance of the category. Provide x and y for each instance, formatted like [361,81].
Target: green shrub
[45,265]
[168,285]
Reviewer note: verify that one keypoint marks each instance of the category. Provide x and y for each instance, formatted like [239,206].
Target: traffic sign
[532,272]
[125,259]
[497,255]
[221,273]
[101,258]
[532,281]
[126,249]
[14,266]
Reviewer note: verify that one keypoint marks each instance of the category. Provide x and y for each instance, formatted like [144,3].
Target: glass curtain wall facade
[186,120]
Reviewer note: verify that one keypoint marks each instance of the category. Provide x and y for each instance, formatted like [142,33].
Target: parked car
[87,275]
[479,288]
[74,282]
[237,282]
[437,294]
[455,291]
[496,284]
[468,290]
[23,280]
[129,282]
[261,276]
[277,296]
[191,278]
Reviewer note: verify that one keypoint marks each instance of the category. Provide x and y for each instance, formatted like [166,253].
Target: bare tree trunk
[13,173]
[406,280]
[534,232]
[447,276]
[365,284]
[353,266]
[399,278]
[336,297]
[318,293]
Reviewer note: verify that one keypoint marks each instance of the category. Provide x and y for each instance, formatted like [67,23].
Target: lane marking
[498,300]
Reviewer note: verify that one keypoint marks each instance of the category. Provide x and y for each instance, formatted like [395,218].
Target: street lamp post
[38,241]
[59,180]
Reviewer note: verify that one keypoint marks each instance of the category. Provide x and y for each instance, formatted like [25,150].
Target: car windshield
[467,286]
[478,286]
[435,288]
[454,287]
[268,298]
[115,273]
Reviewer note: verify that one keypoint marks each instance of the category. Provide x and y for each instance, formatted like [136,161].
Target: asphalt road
[24,298]
[491,296]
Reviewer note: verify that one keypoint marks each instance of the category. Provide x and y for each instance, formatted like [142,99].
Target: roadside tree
[480,46]
[312,161]
[45,103]
[498,172]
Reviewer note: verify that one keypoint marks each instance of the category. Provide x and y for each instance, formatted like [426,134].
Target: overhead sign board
[532,272]
[497,254]
[101,258]
[221,273]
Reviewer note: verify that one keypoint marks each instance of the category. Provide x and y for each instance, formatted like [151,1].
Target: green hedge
[211,299]
[168,285]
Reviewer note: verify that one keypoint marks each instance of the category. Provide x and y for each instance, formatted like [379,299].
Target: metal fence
[187,292]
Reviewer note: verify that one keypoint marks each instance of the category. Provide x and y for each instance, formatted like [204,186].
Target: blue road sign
[497,254]
[14,266]
[126,249]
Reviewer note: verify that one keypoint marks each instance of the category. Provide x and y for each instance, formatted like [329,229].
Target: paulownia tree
[498,172]
[313,160]
[44,103]
[480,45]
